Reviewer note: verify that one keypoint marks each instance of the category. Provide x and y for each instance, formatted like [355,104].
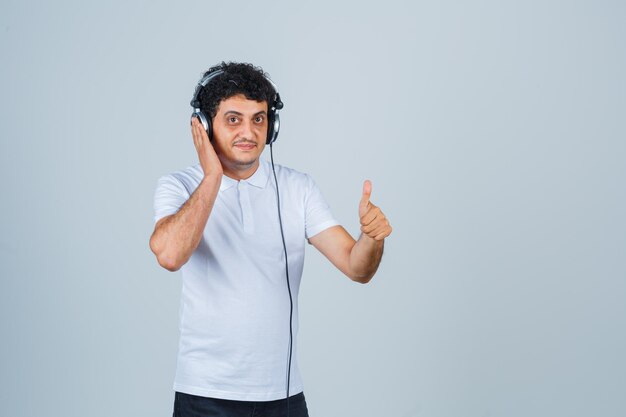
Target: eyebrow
[241,114]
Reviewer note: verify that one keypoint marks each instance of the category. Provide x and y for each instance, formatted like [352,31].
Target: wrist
[211,180]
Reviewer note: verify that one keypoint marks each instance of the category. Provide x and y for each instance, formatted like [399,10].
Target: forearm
[174,240]
[365,257]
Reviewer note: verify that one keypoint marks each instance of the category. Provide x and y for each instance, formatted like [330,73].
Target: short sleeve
[169,196]
[317,212]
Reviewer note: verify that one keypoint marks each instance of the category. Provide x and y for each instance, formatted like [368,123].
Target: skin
[359,259]
[239,132]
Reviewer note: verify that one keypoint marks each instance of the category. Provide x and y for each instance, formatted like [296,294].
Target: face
[239,134]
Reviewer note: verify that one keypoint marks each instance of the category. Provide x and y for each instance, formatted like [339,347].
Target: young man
[219,221]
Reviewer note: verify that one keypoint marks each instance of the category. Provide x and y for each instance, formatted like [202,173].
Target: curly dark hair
[238,78]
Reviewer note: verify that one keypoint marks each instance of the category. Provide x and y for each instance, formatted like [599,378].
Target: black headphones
[272,117]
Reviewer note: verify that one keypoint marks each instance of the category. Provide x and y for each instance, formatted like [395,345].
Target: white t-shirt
[234,312]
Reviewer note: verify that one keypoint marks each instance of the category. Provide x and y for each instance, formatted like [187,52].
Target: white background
[494,135]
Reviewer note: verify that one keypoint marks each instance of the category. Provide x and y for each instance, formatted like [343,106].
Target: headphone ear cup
[206,123]
[273,127]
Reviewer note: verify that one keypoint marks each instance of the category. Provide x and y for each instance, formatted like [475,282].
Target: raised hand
[374,224]
[209,161]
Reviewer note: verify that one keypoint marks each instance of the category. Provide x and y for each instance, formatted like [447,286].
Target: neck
[240,172]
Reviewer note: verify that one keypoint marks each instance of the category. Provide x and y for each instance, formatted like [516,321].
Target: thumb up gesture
[374,224]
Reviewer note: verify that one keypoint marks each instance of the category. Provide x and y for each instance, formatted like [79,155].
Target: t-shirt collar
[258,179]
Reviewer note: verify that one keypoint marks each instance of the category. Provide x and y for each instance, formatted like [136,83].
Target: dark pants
[187,405]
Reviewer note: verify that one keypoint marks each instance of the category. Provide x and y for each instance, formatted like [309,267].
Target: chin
[245,162]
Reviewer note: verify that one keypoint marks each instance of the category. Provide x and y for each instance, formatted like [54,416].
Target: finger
[367,192]
[374,229]
[369,218]
[203,133]
[199,134]
[372,214]
[383,235]
[194,131]
[380,232]
[367,228]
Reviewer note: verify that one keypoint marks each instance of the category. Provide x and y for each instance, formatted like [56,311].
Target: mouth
[245,146]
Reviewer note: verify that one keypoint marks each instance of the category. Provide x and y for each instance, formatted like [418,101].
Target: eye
[259,119]
[233,119]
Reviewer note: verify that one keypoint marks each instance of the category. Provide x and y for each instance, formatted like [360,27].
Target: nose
[247,130]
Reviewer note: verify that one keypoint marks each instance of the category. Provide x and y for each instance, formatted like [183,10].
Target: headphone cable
[282,235]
